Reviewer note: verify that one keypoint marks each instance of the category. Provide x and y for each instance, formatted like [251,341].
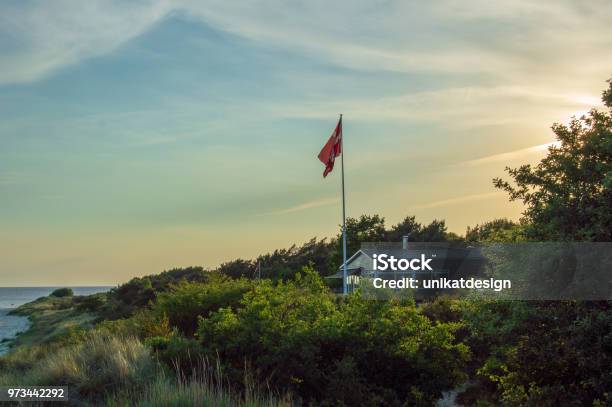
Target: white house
[447,258]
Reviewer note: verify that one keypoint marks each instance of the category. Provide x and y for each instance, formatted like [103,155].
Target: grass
[44,304]
[51,318]
[91,369]
[106,370]
[101,368]
[198,390]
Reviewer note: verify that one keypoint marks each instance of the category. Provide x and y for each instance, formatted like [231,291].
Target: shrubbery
[62,292]
[177,352]
[187,301]
[143,324]
[544,354]
[562,355]
[91,303]
[295,337]
[300,338]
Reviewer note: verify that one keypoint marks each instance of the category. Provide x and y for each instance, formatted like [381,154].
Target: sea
[12,297]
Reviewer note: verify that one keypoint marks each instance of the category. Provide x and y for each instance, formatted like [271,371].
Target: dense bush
[300,338]
[143,324]
[443,309]
[544,354]
[62,292]
[126,299]
[141,292]
[91,303]
[563,356]
[177,352]
[187,301]
[296,337]
[497,230]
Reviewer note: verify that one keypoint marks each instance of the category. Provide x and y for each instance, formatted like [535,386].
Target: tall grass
[204,387]
[98,366]
[92,369]
[107,370]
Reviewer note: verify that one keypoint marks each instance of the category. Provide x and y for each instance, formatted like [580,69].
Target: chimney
[405,242]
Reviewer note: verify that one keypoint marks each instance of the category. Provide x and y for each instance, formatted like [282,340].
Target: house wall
[362,261]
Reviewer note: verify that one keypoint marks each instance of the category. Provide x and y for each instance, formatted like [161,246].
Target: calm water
[12,297]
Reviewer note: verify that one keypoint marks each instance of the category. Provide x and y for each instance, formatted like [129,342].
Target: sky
[145,135]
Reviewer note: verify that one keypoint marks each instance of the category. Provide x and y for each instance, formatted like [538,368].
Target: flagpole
[344,268]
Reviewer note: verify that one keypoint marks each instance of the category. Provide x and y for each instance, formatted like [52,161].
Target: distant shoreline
[12,325]
[13,297]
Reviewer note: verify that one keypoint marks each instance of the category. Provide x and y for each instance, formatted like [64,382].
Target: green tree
[568,195]
[371,228]
[497,230]
[366,228]
[434,232]
[238,268]
[285,263]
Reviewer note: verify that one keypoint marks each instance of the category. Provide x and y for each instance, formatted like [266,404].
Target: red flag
[332,149]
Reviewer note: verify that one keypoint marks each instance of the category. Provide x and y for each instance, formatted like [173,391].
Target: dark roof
[450,251]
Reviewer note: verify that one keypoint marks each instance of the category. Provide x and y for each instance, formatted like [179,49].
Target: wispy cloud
[511,155]
[305,206]
[439,37]
[50,37]
[458,200]
[461,107]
